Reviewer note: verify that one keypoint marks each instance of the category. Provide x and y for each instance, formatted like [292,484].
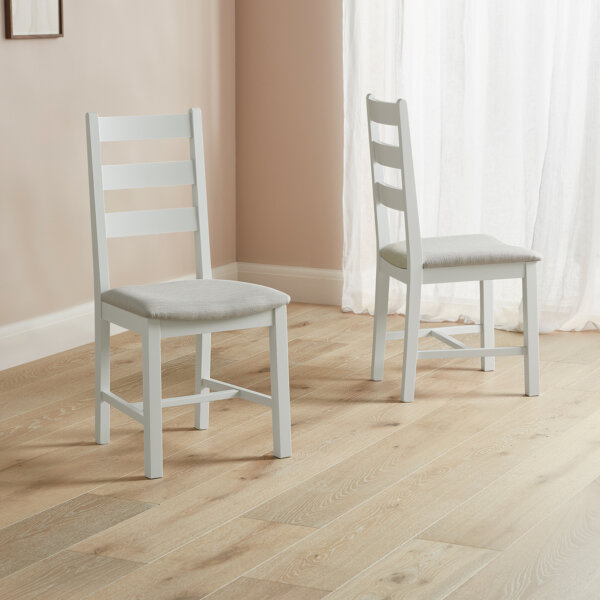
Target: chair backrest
[143,175]
[396,157]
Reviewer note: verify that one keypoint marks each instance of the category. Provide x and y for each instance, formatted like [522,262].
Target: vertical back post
[101,279]
[382,227]
[201,237]
[411,216]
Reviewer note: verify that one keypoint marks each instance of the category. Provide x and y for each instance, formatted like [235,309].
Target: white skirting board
[302,284]
[49,334]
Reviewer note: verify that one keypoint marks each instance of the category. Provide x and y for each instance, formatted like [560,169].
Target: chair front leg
[531,331]
[102,377]
[201,410]
[280,384]
[153,452]
[411,338]
[486,319]
[382,288]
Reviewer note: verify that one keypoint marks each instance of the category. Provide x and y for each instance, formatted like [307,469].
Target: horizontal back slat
[385,113]
[387,155]
[149,222]
[141,175]
[390,196]
[119,129]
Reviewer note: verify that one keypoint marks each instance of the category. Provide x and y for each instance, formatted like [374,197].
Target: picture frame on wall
[26,19]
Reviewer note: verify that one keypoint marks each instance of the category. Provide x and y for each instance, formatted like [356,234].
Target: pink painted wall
[134,57]
[273,120]
[289,132]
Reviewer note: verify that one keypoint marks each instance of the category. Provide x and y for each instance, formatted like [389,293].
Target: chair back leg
[280,384]
[151,365]
[531,331]
[102,371]
[382,288]
[486,319]
[201,410]
[411,338]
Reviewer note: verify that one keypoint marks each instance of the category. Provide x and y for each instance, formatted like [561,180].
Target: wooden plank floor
[472,492]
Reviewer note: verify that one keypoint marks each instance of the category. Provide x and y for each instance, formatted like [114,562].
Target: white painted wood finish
[152,390]
[201,410]
[387,155]
[102,374]
[280,384]
[131,409]
[145,127]
[486,318]
[379,325]
[151,222]
[143,175]
[404,199]
[437,331]
[531,331]
[391,196]
[193,219]
[251,395]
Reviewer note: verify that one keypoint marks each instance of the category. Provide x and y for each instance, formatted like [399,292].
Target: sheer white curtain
[504,107]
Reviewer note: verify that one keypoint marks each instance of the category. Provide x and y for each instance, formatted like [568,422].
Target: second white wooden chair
[195,307]
[417,261]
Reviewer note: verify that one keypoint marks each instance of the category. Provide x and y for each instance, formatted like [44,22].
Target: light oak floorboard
[333,492]
[246,588]
[533,488]
[326,559]
[65,576]
[206,564]
[557,560]
[419,570]
[48,532]
[54,477]
[234,492]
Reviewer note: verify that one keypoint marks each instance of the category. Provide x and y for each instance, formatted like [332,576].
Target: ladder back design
[398,156]
[104,178]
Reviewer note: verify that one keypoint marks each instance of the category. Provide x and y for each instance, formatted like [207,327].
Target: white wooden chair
[196,307]
[417,261]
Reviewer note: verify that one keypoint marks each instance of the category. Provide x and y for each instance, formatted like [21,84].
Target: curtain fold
[504,109]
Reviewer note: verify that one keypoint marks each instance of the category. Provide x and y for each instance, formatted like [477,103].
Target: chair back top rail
[147,127]
[397,156]
[384,113]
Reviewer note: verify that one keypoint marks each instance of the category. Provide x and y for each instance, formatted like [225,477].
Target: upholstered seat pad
[196,300]
[460,250]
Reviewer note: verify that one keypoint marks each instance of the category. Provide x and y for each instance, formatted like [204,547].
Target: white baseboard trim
[35,338]
[49,334]
[303,284]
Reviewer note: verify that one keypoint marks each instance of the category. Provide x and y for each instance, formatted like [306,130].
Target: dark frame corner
[8,24]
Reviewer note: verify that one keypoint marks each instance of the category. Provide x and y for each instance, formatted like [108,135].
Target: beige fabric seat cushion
[196,300]
[460,250]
